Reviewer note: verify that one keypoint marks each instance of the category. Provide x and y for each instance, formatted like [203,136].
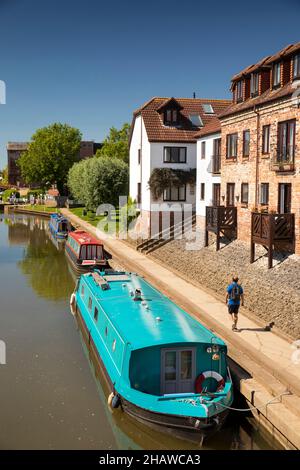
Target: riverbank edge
[254,375]
[18,210]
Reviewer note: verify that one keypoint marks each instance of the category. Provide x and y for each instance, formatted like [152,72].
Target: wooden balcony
[271,230]
[216,164]
[220,220]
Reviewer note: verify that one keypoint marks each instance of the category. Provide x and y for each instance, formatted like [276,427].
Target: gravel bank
[272,295]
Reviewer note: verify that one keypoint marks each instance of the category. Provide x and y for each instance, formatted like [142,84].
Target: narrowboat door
[178,370]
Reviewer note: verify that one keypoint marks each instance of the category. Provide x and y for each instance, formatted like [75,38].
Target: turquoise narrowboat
[162,366]
[59,225]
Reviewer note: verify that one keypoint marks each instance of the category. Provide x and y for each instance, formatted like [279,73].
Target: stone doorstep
[286,422]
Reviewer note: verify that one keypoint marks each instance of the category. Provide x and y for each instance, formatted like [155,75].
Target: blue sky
[91,63]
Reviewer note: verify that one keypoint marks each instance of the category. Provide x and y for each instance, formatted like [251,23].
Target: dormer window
[171,116]
[196,120]
[296,67]
[208,109]
[239,91]
[254,84]
[276,75]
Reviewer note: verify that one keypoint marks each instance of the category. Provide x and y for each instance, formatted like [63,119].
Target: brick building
[261,152]
[14,152]
[88,148]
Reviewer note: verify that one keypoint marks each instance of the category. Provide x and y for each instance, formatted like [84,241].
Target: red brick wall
[244,170]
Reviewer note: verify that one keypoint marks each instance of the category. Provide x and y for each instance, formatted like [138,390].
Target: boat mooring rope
[252,406]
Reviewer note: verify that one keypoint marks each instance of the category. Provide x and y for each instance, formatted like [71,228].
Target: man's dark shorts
[233,309]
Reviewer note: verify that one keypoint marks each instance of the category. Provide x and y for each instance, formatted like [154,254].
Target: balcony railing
[216,164]
[220,219]
[269,230]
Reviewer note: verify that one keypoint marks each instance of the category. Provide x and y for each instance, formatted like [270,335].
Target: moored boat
[85,252]
[59,225]
[162,366]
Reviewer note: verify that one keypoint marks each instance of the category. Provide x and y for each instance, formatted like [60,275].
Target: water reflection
[43,262]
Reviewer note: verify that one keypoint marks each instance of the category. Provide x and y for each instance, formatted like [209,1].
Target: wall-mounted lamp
[237,197]
[223,197]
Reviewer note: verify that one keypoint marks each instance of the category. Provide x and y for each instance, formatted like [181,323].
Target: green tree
[116,144]
[4,176]
[51,153]
[99,181]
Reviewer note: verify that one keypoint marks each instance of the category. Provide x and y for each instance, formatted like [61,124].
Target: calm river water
[49,395]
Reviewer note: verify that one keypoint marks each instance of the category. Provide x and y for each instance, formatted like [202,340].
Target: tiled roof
[266,97]
[185,132]
[212,127]
[267,61]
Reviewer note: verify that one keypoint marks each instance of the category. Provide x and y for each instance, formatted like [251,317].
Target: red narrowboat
[86,252]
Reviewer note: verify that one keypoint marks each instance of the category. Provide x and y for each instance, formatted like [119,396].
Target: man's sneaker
[233,327]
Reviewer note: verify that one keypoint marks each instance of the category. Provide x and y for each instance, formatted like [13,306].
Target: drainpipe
[257,155]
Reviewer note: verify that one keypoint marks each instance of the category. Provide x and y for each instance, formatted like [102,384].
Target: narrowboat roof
[154,320]
[84,238]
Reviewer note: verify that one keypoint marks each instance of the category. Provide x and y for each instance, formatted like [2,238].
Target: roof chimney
[194,95]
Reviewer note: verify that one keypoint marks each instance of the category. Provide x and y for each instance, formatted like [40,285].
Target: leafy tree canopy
[4,176]
[99,181]
[116,144]
[51,153]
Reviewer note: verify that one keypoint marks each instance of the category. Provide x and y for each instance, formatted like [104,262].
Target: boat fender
[116,401]
[73,304]
[113,400]
[109,398]
[209,373]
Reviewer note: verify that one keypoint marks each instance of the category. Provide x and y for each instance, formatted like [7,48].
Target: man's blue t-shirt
[229,290]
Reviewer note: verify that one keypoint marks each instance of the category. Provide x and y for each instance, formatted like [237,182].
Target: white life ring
[207,374]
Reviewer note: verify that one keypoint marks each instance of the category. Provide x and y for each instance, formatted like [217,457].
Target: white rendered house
[208,191]
[163,136]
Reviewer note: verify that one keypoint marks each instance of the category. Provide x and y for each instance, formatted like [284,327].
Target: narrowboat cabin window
[114,345]
[82,291]
[106,331]
[96,314]
[90,303]
[91,252]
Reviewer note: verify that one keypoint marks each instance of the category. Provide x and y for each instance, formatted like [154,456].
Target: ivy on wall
[162,178]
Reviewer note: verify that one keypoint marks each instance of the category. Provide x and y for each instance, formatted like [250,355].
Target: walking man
[234,296]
